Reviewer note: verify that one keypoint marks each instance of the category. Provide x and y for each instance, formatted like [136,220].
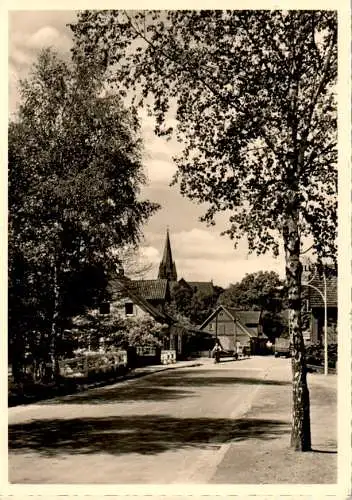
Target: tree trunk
[55,318]
[300,433]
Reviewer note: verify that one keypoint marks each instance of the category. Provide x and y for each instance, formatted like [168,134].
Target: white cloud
[151,253]
[198,243]
[20,57]
[202,255]
[49,36]
[159,172]
[158,152]
[29,33]
[224,272]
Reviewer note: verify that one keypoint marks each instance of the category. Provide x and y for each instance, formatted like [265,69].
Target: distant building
[167,267]
[158,291]
[127,301]
[234,328]
[315,305]
[140,297]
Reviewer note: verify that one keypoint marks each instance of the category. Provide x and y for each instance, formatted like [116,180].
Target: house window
[210,326]
[129,308]
[104,308]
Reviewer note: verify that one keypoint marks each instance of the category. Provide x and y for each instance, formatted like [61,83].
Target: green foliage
[145,332]
[75,173]
[255,108]
[93,330]
[255,104]
[262,290]
[190,305]
[315,355]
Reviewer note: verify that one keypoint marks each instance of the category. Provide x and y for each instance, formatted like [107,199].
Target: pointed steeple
[167,268]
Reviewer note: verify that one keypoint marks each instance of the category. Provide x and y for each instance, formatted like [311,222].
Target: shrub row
[315,355]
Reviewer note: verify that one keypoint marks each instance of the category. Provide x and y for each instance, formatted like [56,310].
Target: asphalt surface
[175,426]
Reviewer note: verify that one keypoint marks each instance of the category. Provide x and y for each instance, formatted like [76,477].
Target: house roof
[126,286]
[315,299]
[245,317]
[205,287]
[150,289]
[248,321]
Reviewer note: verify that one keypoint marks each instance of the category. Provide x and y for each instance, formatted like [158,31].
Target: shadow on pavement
[136,434]
[160,387]
[141,390]
[209,378]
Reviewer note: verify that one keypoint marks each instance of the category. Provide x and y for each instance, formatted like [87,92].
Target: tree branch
[307,250]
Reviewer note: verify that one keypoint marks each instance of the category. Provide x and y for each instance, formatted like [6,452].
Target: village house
[235,329]
[151,296]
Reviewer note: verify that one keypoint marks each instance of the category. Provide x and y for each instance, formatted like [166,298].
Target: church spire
[167,268]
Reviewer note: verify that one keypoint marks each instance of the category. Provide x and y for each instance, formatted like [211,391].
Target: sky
[200,253]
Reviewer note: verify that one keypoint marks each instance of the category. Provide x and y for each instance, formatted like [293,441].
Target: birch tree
[75,173]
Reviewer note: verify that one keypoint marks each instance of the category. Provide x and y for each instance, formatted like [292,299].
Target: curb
[163,368]
[25,401]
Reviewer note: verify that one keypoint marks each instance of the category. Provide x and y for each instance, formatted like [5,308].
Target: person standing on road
[216,351]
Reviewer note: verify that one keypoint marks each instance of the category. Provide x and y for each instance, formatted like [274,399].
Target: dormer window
[129,308]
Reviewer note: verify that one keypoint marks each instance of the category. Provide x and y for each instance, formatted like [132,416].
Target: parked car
[282,348]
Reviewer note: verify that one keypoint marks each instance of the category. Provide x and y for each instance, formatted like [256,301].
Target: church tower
[167,268]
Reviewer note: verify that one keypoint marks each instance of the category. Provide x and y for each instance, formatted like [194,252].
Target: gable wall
[117,308]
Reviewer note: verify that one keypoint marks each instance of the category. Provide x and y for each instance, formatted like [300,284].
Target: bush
[315,355]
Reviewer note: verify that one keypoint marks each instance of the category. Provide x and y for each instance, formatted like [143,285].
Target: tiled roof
[247,320]
[150,289]
[127,287]
[316,300]
[245,317]
[205,287]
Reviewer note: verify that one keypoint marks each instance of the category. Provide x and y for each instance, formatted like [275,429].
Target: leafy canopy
[253,95]
[75,172]
[75,168]
[262,290]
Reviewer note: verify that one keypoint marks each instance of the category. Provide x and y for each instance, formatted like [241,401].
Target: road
[170,427]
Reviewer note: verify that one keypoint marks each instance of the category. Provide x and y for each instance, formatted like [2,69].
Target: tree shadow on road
[210,378]
[139,391]
[160,387]
[145,435]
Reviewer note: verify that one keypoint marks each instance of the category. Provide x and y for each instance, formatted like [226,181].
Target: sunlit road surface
[170,427]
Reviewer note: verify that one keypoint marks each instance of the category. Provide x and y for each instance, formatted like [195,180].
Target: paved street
[176,426]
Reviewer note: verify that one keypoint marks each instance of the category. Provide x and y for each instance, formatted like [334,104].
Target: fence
[93,364]
[168,357]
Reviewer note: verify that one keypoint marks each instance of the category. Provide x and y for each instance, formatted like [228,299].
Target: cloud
[47,37]
[29,33]
[158,153]
[160,172]
[151,253]
[225,272]
[202,255]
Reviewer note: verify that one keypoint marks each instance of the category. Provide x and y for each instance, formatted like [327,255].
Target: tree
[253,93]
[191,305]
[75,173]
[262,290]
